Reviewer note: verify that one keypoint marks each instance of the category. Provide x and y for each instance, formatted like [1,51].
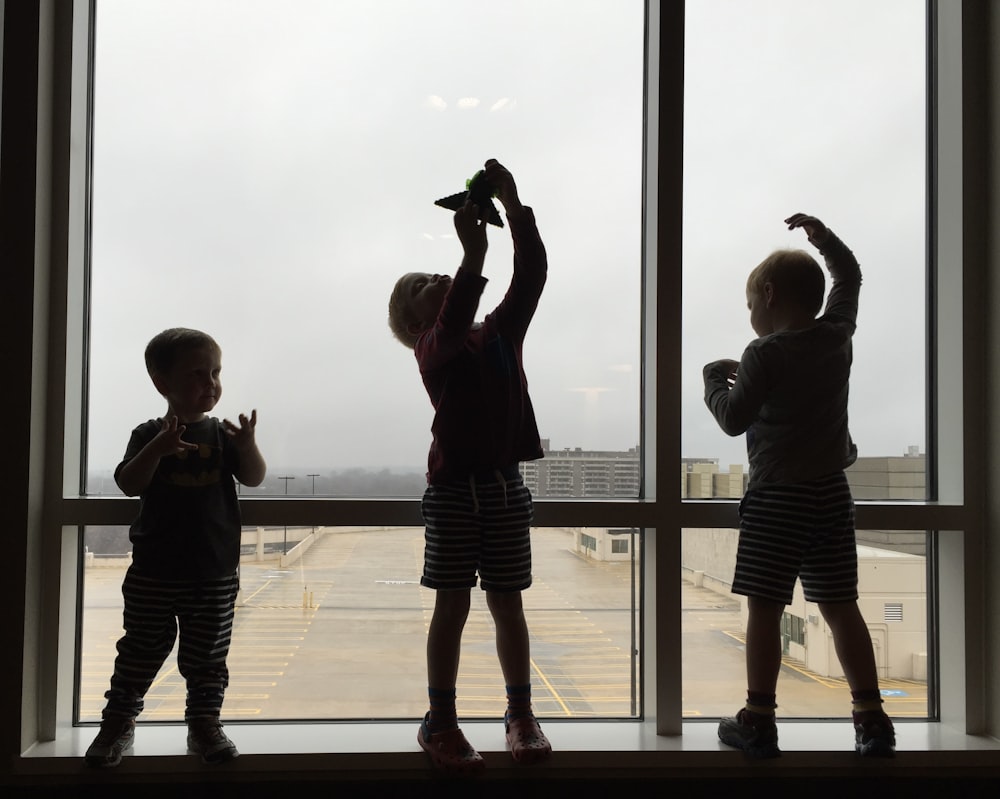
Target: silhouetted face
[193,385]
[425,294]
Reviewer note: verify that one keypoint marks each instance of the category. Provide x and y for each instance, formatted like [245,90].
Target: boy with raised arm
[476,508]
[788,393]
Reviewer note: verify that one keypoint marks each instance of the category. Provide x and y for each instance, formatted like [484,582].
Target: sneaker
[874,735]
[449,750]
[754,734]
[206,738]
[116,735]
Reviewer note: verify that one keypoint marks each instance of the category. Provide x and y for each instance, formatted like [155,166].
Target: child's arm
[252,466]
[842,300]
[530,261]
[471,232]
[137,473]
[735,392]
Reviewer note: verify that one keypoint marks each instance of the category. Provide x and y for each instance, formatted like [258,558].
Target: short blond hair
[401,315]
[794,274]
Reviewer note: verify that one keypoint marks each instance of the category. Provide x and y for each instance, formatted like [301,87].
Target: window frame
[54,330]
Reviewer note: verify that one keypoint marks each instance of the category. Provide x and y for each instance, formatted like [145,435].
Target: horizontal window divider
[405,512]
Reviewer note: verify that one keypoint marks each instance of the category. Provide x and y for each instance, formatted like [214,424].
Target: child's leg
[150,632]
[853,644]
[763,650]
[205,614]
[513,648]
[527,742]
[439,734]
[444,643]
[874,732]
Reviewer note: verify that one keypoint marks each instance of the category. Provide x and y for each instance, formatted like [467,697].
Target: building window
[603,450]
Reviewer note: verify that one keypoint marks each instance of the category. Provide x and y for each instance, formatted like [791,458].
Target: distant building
[583,473]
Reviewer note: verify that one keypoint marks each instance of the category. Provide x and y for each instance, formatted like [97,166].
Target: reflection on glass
[331,623]
[892,588]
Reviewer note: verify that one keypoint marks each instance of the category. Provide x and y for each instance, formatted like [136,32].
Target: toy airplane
[479,191]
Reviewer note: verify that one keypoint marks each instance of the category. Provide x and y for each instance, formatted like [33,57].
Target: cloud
[468,103]
[436,103]
[503,104]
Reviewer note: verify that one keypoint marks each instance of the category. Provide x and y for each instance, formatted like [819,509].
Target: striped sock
[443,715]
[761,704]
[518,701]
[866,701]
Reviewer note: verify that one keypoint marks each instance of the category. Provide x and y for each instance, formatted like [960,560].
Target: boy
[185,547]
[476,508]
[789,394]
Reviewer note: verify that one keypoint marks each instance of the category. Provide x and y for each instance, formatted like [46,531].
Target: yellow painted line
[552,690]
[265,585]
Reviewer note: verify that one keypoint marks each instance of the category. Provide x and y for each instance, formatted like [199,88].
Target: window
[280,255]
[955,682]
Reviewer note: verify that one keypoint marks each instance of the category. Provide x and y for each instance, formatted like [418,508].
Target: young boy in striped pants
[185,547]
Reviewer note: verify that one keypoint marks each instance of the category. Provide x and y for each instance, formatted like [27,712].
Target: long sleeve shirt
[791,388]
[474,373]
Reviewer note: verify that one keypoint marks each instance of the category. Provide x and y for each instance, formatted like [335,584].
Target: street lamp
[313,476]
[285,544]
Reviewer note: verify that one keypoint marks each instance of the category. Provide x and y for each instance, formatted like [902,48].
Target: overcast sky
[266,171]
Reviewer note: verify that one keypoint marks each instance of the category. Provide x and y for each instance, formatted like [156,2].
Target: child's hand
[168,441]
[242,435]
[815,230]
[471,229]
[730,366]
[502,181]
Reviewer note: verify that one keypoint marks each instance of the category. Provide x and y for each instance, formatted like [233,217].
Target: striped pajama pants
[803,531]
[198,615]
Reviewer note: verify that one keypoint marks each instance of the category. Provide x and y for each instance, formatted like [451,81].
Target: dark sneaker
[874,735]
[754,734]
[206,738]
[116,735]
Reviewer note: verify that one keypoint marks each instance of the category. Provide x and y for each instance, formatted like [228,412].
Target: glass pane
[267,174]
[331,623]
[819,108]
[892,589]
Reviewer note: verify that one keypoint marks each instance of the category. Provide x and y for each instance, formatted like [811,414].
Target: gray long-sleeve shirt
[791,388]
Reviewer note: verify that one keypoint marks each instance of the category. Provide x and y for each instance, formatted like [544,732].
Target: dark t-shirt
[189,518]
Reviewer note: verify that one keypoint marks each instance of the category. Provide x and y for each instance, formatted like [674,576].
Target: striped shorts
[481,526]
[803,531]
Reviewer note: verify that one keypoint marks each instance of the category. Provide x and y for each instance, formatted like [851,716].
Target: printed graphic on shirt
[193,469]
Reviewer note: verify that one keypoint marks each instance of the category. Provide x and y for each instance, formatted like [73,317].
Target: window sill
[369,751]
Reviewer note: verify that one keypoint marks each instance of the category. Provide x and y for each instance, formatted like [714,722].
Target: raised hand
[815,230]
[242,434]
[502,181]
[169,440]
[471,229]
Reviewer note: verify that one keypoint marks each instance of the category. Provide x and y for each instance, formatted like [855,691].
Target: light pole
[284,547]
[313,476]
